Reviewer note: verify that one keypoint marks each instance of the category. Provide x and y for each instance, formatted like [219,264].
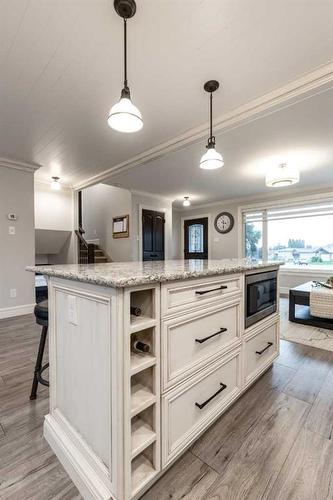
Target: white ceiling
[300,135]
[61,70]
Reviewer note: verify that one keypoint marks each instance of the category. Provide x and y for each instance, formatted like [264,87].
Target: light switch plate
[11,230]
[72,310]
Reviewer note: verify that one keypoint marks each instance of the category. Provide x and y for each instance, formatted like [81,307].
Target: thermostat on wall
[12,216]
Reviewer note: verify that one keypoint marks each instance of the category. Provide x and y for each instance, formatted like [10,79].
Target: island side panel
[86,407]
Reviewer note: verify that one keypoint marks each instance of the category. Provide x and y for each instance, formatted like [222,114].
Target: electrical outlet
[72,310]
[11,230]
[12,293]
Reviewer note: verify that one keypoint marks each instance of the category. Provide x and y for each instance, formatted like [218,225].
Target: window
[196,238]
[299,235]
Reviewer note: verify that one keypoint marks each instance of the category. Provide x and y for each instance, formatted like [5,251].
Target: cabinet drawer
[191,341]
[260,350]
[191,407]
[196,293]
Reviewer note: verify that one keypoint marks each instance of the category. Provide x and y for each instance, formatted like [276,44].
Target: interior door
[196,238]
[152,235]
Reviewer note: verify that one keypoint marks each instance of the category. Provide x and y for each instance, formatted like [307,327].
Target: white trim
[11,312]
[316,273]
[155,209]
[189,217]
[291,201]
[312,83]
[19,165]
[136,192]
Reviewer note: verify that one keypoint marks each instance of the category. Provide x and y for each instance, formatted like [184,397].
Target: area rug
[303,334]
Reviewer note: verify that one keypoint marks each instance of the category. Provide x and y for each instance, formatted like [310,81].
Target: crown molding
[19,165]
[322,189]
[150,195]
[317,81]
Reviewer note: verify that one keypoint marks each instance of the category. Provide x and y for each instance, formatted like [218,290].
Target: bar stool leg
[39,361]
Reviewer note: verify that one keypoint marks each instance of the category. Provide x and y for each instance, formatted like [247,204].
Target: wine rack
[142,433]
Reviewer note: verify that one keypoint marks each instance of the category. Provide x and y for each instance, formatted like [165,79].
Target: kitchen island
[144,357]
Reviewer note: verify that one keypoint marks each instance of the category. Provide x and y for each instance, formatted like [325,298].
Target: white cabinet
[261,347]
[192,340]
[181,296]
[117,417]
[191,407]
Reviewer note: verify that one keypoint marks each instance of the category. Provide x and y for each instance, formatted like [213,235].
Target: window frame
[264,206]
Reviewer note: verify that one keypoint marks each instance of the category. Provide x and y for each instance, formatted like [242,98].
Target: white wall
[16,251]
[221,246]
[54,210]
[100,203]
[176,235]
[145,201]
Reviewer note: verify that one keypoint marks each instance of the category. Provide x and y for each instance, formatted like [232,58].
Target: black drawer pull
[269,344]
[202,292]
[202,405]
[221,330]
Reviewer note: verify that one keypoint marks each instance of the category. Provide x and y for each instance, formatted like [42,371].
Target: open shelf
[140,362]
[142,433]
[141,398]
[143,300]
[142,471]
[141,323]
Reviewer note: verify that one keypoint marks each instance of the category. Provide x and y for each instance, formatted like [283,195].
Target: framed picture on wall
[120,226]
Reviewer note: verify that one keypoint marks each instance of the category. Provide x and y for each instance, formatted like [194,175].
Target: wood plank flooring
[275,443]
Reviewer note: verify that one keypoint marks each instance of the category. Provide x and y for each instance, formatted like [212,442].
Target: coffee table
[300,295]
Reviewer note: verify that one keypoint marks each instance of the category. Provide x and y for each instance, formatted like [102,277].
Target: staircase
[100,256]
[89,253]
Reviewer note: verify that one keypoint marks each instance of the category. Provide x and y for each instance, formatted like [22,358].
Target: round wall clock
[224,222]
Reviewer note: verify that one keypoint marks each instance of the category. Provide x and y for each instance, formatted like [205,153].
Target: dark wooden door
[196,238]
[152,235]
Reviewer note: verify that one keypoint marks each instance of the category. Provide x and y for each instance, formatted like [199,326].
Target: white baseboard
[75,462]
[11,312]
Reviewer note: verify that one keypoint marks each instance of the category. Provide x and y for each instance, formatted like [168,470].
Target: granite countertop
[121,274]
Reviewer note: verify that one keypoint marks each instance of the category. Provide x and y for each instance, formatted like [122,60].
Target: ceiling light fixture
[186,202]
[211,160]
[55,184]
[124,116]
[282,175]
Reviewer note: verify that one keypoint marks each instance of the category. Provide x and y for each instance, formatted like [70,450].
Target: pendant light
[282,175]
[55,184]
[186,202]
[124,116]
[211,160]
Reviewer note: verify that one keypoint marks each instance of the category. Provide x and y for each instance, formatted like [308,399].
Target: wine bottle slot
[136,311]
[139,346]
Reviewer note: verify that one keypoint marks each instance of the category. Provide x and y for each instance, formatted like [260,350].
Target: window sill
[307,270]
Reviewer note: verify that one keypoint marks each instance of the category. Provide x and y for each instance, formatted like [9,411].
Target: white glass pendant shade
[211,160]
[55,184]
[282,175]
[186,202]
[125,117]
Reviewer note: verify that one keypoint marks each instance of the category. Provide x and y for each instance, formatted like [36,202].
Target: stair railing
[86,251]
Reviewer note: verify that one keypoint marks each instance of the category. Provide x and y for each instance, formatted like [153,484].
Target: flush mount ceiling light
[282,175]
[211,160]
[186,202]
[124,116]
[55,184]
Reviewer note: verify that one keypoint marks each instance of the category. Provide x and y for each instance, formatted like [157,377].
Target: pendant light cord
[211,115]
[211,140]
[125,53]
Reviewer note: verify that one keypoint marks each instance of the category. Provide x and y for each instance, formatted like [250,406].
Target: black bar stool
[42,318]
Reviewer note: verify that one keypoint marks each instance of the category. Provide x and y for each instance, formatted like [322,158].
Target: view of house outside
[301,242]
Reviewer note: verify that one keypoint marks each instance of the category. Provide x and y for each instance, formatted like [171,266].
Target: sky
[315,231]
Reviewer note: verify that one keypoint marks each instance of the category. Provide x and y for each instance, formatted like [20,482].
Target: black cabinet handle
[269,344]
[221,330]
[202,405]
[202,292]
